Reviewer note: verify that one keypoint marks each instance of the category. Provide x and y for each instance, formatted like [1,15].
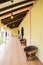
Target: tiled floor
[12,53]
[34,62]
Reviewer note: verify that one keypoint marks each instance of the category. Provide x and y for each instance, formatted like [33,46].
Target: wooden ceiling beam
[15,12]
[16,17]
[7,12]
[3,1]
[14,5]
[15,24]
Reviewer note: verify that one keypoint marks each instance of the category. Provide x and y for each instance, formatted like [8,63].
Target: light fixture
[12,17]
[11,0]
[13,25]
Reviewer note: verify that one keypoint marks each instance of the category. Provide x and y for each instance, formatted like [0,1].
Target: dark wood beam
[15,24]
[17,16]
[14,5]
[16,9]
[3,1]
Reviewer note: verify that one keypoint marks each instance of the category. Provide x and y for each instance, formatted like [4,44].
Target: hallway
[12,53]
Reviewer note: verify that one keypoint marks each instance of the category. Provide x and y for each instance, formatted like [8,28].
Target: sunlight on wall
[25,25]
[37,25]
[14,32]
[37,28]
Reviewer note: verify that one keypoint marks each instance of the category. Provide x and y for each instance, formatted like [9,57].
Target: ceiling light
[12,17]
[13,24]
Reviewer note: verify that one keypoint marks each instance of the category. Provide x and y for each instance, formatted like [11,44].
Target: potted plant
[23,41]
[22,32]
